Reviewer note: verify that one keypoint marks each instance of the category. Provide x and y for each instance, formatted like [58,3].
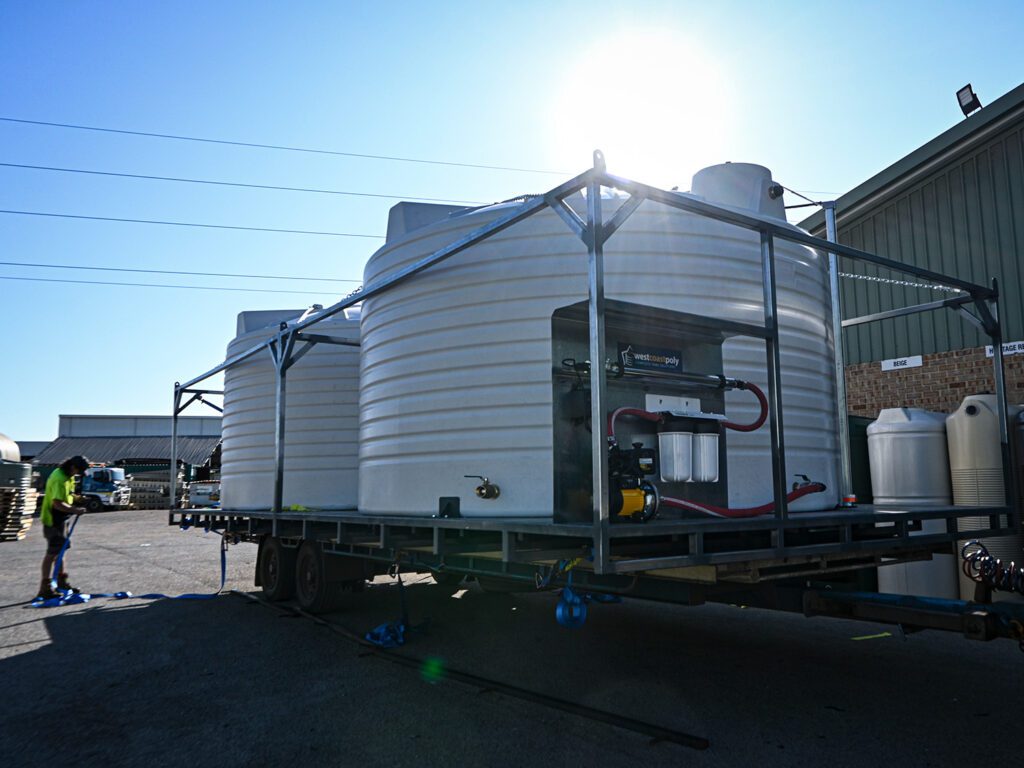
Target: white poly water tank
[976,466]
[321,426]
[908,457]
[910,468]
[975,453]
[457,362]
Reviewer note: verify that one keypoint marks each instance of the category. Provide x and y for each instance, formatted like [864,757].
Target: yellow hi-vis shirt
[59,487]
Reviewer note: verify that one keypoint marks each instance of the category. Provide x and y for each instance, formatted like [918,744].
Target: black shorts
[56,536]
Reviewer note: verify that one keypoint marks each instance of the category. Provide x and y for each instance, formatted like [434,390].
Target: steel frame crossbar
[594,231]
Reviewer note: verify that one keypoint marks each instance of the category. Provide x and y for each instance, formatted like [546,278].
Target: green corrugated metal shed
[956,206]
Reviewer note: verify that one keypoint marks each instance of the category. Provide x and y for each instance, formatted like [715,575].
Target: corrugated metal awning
[191,450]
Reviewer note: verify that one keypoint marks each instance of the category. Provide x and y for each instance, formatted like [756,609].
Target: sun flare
[655,103]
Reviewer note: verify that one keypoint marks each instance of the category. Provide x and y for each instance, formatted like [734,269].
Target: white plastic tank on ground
[976,466]
[910,468]
[321,424]
[457,361]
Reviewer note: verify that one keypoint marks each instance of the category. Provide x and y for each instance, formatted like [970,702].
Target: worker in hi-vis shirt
[58,506]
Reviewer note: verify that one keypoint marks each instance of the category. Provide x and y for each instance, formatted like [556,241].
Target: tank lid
[740,185]
[907,420]
[9,450]
[255,320]
[404,217]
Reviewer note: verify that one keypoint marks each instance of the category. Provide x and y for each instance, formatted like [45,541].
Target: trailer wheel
[314,590]
[276,565]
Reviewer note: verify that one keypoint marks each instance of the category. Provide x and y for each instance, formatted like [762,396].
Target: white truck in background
[105,488]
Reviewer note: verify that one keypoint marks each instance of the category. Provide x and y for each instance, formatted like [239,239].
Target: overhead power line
[282,147]
[158,285]
[187,224]
[176,272]
[234,184]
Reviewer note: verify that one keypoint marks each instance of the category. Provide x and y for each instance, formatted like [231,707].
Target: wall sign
[1009,348]
[899,363]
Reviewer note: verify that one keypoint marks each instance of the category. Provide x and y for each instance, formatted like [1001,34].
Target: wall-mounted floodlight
[968,99]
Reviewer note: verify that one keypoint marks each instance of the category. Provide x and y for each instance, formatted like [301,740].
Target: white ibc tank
[976,466]
[910,467]
[457,362]
[321,428]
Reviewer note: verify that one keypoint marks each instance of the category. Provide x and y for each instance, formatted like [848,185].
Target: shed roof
[959,138]
[191,450]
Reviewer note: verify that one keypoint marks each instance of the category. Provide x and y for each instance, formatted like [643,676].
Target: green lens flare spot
[433,670]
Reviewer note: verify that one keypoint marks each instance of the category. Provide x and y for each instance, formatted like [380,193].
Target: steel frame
[681,542]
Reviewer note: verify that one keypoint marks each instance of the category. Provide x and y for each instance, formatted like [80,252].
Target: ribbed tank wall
[456,362]
[321,424]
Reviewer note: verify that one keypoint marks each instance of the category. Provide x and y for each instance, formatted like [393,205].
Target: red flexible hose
[756,424]
[657,417]
[764,509]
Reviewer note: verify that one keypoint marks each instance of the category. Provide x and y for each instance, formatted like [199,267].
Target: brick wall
[940,384]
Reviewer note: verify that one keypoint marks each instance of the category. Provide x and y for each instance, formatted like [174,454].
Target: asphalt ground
[229,682]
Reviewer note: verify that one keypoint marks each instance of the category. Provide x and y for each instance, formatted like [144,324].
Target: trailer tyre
[315,591]
[276,569]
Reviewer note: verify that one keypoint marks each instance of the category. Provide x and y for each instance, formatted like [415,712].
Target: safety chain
[904,283]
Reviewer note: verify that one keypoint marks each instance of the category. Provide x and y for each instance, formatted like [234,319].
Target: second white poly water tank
[908,457]
[321,424]
[910,468]
[457,361]
[976,466]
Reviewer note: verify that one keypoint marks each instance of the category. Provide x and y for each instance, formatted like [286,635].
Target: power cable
[158,285]
[281,147]
[176,272]
[186,224]
[235,184]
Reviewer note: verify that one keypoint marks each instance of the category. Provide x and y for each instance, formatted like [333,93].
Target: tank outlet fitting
[486,489]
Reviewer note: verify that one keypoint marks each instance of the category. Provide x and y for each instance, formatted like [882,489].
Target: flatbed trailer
[782,560]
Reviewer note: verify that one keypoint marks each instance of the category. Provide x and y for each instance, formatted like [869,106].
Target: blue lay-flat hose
[66,597]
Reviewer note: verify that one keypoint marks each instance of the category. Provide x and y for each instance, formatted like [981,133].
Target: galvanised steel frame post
[771,323]
[178,407]
[999,374]
[842,419]
[595,237]
[174,449]
[281,354]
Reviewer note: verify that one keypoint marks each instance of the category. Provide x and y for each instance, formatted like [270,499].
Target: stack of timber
[16,493]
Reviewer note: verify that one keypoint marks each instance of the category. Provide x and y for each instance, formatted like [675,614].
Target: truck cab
[105,488]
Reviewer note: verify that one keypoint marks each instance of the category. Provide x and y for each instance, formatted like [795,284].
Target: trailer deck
[663,545]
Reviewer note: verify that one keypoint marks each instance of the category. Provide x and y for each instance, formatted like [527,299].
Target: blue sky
[825,94]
